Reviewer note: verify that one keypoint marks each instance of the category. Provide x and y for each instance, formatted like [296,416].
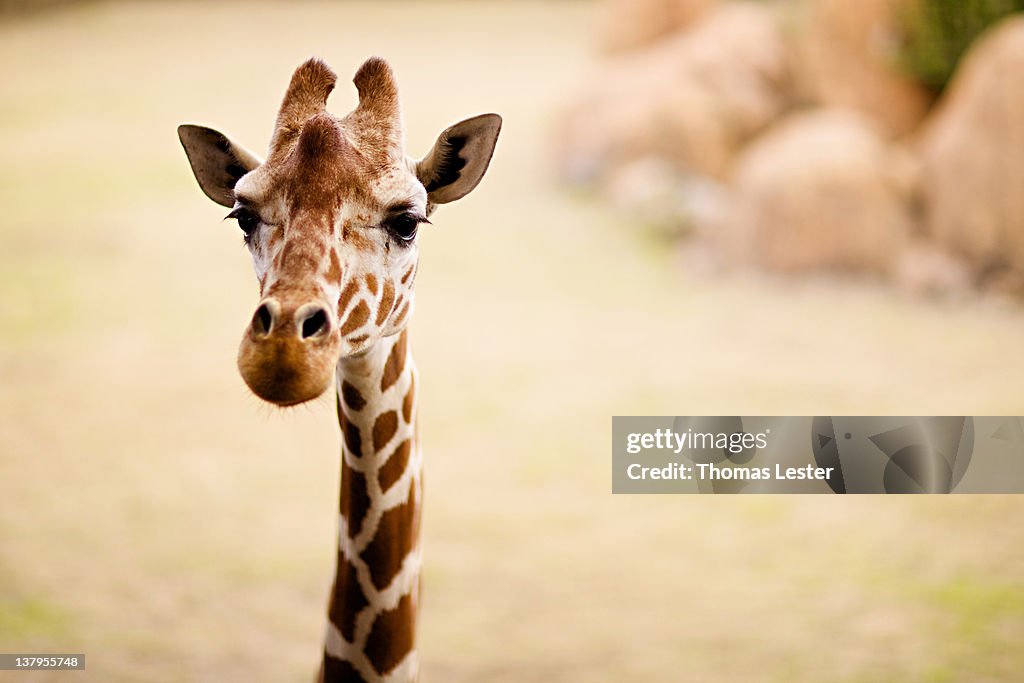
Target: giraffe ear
[459,158]
[216,162]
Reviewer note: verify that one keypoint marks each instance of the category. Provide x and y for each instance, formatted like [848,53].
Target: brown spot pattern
[392,637]
[417,517]
[353,399]
[384,427]
[340,671]
[284,254]
[394,540]
[361,241]
[408,274]
[347,599]
[392,470]
[400,317]
[407,402]
[395,363]
[371,283]
[354,501]
[298,257]
[387,300]
[353,439]
[356,319]
[346,296]
[334,272]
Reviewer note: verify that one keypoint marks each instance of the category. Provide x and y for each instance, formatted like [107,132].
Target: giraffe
[331,219]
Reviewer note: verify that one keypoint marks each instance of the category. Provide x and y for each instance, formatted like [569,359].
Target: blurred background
[697,207]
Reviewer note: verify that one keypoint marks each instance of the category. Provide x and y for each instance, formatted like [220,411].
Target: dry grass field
[158,518]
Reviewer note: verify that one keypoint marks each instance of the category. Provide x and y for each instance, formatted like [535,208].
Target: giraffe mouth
[285,361]
[285,376]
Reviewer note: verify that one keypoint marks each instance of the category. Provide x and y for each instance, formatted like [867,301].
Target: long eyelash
[235,213]
[419,220]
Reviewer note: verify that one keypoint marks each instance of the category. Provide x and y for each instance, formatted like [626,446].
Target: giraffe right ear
[459,158]
[217,163]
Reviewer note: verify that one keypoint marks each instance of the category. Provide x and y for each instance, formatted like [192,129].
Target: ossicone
[306,97]
[378,90]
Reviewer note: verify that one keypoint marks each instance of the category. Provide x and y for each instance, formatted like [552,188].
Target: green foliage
[938,32]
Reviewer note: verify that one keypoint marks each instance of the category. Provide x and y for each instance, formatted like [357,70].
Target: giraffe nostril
[315,324]
[262,320]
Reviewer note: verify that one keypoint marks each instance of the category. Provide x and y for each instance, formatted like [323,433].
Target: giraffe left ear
[459,158]
[217,162]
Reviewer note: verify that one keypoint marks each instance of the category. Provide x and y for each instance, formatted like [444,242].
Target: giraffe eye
[404,226]
[247,220]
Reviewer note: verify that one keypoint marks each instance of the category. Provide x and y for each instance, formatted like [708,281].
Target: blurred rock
[973,159]
[903,173]
[692,99]
[628,24]
[845,55]
[925,270]
[812,194]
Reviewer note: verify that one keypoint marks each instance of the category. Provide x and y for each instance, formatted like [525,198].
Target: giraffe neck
[371,628]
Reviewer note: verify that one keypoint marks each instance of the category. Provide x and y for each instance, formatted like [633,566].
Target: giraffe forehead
[334,160]
[347,189]
[327,181]
[330,173]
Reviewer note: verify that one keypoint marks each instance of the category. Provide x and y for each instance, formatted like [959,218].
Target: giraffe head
[331,220]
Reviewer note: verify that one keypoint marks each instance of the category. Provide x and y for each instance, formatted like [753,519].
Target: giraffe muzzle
[289,352]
